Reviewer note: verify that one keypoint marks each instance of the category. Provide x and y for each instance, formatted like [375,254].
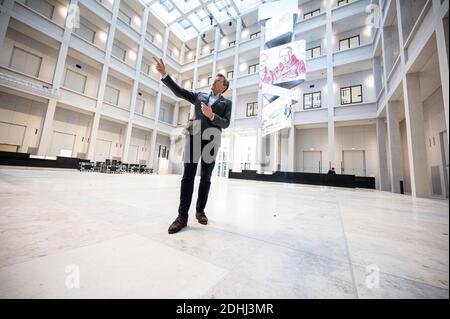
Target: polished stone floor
[66,234]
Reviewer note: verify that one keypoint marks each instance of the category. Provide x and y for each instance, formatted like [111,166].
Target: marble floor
[67,234]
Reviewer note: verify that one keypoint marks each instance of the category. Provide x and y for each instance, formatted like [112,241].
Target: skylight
[166,4]
[185,24]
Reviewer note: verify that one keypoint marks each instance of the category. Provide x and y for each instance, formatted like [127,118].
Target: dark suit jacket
[221,108]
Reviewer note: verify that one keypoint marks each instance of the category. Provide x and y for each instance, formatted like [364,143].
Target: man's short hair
[225,81]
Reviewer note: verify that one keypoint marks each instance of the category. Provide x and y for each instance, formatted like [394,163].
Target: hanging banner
[276,115]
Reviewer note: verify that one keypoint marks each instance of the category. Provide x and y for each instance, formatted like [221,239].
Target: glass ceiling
[188,18]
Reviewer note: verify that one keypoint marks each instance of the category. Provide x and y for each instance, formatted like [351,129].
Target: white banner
[276,115]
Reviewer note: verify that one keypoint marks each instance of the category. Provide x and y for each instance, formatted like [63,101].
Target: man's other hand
[207,110]
[160,66]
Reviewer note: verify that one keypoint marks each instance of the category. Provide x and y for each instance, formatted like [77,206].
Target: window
[166,5]
[342,2]
[41,6]
[75,81]
[25,62]
[140,106]
[162,115]
[312,100]
[311,14]
[255,35]
[313,53]
[145,67]
[112,95]
[85,32]
[201,15]
[231,44]
[351,94]
[118,52]
[254,68]
[230,74]
[348,43]
[222,5]
[252,109]
[124,17]
[185,24]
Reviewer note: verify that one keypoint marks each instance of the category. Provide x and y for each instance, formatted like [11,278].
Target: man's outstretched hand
[160,66]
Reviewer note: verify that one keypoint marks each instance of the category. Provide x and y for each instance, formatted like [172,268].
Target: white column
[102,82]
[383,176]
[443,58]
[216,48]
[134,90]
[46,135]
[330,88]
[182,53]
[292,152]
[232,150]
[415,131]
[176,114]
[260,157]
[158,102]
[376,64]
[69,26]
[395,158]
[4,18]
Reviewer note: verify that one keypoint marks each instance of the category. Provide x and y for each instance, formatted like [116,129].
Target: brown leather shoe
[177,225]
[201,217]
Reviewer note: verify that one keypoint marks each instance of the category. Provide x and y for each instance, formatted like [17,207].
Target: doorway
[62,144]
[354,162]
[133,154]
[102,150]
[312,161]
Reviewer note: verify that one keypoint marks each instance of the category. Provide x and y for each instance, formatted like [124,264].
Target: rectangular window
[118,52]
[311,14]
[85,32]
[312,100]
[140,106]
[230,75]
[26,62]
[124,17]
[254,68]
[112,95]
[349,43]
[351,94]
[162,115]
[342,2]
[252,109]
[145,67]
[75,81]
[231,44]
[313,53]
[41,6]
[255,35]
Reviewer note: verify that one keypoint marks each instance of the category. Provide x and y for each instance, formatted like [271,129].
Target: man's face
[218,85]
[284,57]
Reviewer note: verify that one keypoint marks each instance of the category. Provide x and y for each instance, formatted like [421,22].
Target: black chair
[98,166]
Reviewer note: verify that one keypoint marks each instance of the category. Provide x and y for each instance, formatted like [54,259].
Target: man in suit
[212,114]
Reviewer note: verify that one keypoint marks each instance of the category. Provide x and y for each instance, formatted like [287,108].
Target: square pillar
[395,158]
[418,163]
[383,176]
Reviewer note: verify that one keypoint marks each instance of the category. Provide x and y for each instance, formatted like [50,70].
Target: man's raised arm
[170,83]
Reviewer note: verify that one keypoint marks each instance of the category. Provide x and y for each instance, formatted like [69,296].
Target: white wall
[74,123]
[132,14]
[365,78]
[310,6]
[149,107]
[434,123]
[168,112]
[92,75]
[141,139]
[359,138]
[315,139]
[246,32]
[19,111]
[241,107]
[48,54]
[365,37]
[114,132]
[125,91]
[183,115]
[59,11]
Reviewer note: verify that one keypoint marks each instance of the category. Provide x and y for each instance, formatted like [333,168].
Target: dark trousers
[190,168]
